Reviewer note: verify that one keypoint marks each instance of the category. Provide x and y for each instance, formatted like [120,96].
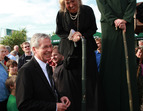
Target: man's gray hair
[35,39]
[8,48]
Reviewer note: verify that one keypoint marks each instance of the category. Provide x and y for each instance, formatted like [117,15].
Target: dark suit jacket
[33,92]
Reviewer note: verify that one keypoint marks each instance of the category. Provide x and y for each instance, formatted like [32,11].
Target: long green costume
[112,66]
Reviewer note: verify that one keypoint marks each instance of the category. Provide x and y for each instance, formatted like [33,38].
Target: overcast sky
[37,16]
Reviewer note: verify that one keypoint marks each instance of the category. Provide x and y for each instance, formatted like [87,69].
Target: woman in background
[139,58]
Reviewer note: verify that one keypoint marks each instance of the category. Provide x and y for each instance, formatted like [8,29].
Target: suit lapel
[41,73]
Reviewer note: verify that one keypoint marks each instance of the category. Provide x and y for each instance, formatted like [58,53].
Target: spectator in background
[98,51]
[3,76]
[13,53]
[8,49]
[10,56]
[64,80]
[5,60]
[16,48]
[140,43]
[138,52]
[12,67]
[139,57]
[11,86]
[56,57]
[26,56]
[58,75]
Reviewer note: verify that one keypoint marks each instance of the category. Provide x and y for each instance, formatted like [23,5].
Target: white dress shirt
[43,67]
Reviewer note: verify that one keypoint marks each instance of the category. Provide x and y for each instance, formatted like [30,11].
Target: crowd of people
[9,62]
[49,78]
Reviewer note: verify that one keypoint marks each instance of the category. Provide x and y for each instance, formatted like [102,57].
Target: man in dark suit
[35,90]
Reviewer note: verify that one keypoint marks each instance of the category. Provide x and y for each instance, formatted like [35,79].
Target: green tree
[53,33]
[16,38]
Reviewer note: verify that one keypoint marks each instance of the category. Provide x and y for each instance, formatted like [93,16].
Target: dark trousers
[3,105]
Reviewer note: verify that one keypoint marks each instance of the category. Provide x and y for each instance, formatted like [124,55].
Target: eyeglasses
[26,46]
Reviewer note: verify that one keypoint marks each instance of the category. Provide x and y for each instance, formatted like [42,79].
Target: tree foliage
[16,38]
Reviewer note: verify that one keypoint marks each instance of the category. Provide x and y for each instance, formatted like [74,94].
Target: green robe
[112,66]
